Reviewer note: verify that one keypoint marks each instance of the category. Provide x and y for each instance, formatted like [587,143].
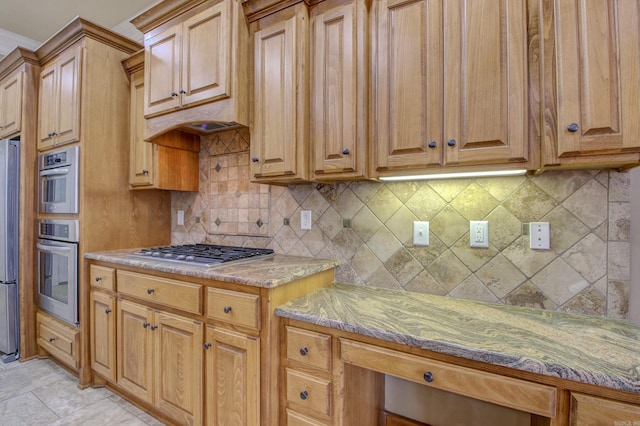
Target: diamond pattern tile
[587,269]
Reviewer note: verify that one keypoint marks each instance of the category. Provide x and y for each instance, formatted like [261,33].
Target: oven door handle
[54,172]
[53,248]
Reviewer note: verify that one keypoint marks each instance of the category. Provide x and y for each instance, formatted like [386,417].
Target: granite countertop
[593,350]
[267,272]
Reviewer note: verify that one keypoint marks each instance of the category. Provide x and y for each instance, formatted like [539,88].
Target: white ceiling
[28,23]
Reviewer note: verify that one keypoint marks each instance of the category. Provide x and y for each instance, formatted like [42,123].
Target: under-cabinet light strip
[455,175]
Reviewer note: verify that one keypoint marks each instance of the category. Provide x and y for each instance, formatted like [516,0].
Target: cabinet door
[408,84]
[485,81]
[135,349]
[178,367]
[597,50]
[47,106]
[279,91]
[103,335]
[162,72]
[206,55]
[67,106]
[338,92]
[141,166]
[232,377]
[11,105]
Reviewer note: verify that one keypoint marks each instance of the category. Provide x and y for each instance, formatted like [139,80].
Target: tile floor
[39,392]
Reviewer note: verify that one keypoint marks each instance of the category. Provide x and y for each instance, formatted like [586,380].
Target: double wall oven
[57,245]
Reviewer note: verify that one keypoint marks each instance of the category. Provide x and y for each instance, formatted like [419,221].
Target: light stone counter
[593,350]
[266,272]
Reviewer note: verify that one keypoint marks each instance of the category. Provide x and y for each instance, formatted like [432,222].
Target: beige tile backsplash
[368,226]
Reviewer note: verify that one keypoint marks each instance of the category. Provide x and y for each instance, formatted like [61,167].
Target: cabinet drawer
[309,392]
[297,419]
[589,410]
[234,307]
[509,392]
[176,294]
[103,277]
[59,340]
[309,348]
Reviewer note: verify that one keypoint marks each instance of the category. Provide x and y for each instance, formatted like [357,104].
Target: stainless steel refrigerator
[9,193]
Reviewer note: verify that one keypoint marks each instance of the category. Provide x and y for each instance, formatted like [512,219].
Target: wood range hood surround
[195,67]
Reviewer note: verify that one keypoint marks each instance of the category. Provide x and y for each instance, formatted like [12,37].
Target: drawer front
[309,348]
[59,340]
[509,392]
[176,294]
[297,419]
[308,392]
[103,277]
[234,308]
[591,410]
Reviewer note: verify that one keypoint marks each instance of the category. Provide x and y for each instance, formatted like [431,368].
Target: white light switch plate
[180,218]
[305,219]
[479,233]
[539,238]
[421,233]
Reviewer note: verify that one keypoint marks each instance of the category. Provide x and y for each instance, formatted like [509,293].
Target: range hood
[209,127]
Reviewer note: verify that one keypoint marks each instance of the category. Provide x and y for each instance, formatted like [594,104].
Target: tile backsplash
[368,226]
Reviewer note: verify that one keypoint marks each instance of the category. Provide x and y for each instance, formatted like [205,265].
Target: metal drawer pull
[98,279]
[51,339]
[154,327]
[207,345]
[451,142]
[432,144]
[150,291]
[304,351]
[227,309]
[428,376]
[304,395]
[107,311]
[145,324]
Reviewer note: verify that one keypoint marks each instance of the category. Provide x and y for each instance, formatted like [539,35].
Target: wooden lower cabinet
[192,351]
[160,359]
[232,369]
[58,339]
[333,377]
[103,334]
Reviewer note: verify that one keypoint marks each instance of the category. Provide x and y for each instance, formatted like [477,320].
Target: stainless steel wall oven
[58,173]
[57,254]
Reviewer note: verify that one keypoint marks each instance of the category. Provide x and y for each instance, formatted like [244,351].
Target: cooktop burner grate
[202,254]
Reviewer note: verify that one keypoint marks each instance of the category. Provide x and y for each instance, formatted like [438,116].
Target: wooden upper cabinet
[189,63]
[280,131]
[339,80]
[141,161]
[11,104]
[59,102]
[451,84]
[598,79]
[485,82]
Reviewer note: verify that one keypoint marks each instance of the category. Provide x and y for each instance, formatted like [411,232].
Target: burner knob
[168,255]
[181,257]
[155,254]
[189,258]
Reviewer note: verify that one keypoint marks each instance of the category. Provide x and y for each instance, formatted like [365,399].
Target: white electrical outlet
[180,218]
[539,238]
[479,233]
[421,233]
[305,219]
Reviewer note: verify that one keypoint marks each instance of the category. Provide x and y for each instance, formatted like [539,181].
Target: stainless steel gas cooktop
[205,255]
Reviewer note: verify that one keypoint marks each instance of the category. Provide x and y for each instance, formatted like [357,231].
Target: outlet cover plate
[479,233]
[539,238]
[305,219]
